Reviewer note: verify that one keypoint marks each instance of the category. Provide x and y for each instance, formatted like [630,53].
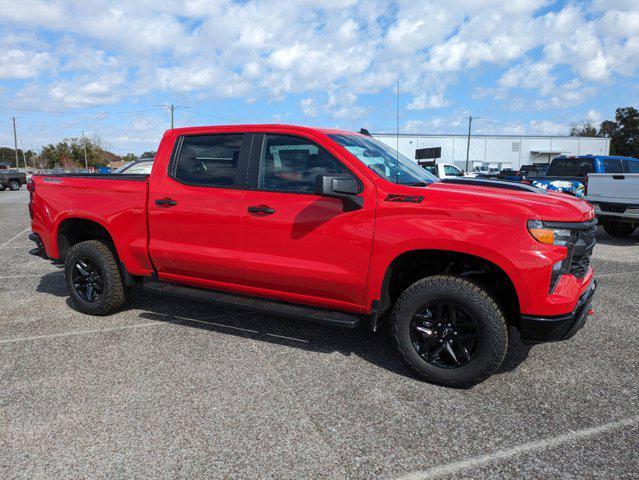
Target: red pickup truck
[330,226]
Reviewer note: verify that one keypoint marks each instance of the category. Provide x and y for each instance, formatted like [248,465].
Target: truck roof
[617,157]
[259,126]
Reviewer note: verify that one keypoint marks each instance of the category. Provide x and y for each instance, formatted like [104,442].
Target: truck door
[298,245]
[195,210]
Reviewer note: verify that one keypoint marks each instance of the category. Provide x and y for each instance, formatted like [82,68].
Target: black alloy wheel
[87,280]
[444,334]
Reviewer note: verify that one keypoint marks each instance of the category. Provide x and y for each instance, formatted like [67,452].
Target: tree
[583,129]
[149,154]
[623,132]
[69,153]
[129,157]
[607,128]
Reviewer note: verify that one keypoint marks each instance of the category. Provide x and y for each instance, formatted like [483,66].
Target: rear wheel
[619,229]
[13,185]
[93,278]
[450,330]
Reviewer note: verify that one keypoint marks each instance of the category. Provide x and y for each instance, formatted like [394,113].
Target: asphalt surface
[169,388]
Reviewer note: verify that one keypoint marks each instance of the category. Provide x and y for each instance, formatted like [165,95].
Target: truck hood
[550,206]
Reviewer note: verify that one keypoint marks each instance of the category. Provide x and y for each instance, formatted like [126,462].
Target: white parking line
[80,332]
[455,467]
[28,275]
[14,238]
[176,321]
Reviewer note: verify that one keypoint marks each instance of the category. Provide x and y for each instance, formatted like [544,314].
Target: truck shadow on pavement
[375,348]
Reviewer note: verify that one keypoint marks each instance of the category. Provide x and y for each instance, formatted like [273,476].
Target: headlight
[551,236]
[554,236]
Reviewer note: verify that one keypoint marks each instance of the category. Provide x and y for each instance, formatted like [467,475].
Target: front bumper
[535,329]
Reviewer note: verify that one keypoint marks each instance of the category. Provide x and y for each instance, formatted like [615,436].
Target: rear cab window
[571,167]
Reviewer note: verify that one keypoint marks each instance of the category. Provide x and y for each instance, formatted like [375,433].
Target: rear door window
[209,160]
[612,165]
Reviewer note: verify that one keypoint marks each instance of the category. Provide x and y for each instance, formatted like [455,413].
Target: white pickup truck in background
[615,197]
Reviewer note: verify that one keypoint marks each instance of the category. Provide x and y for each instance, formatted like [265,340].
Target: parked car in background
[483,172]
[142,166]
[12,179]
[534,170]
[329,226]
[570,174]
[444,170]
[616,200]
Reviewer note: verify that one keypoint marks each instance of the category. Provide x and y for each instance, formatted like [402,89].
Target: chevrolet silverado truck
[328,226]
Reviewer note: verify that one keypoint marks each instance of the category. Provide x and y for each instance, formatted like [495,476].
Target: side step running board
[318,315]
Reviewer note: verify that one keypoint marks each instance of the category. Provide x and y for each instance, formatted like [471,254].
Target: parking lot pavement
[169,388]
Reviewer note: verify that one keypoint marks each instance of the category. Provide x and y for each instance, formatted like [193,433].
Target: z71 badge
[52,180]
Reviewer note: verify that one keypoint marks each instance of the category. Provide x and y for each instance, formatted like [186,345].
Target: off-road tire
[493,332]
[14,186]
[619,229]
[114,293]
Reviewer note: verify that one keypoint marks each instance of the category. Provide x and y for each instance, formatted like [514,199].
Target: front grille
[584,242]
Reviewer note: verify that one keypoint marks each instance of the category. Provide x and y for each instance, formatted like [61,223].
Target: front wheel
[450,330]
[13,185]
[93,278]
[619,229]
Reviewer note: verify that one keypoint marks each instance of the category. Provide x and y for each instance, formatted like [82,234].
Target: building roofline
[476,135]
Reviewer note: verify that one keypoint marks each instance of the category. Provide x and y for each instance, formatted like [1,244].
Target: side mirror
[345,187]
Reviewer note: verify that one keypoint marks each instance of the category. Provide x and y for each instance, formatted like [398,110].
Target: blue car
[570,174]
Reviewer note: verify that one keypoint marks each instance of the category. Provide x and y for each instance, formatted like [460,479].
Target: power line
[172,109]
[215,116]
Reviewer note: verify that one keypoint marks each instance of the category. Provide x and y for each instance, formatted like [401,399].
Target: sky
[102,67]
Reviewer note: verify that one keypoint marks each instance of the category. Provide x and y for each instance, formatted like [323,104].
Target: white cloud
[23,64]
[308,107]
[424,101]
[548,127]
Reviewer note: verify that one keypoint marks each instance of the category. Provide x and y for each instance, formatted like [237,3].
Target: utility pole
[397,138]
[470,123]
[15,140]
[84,144]
[172,109]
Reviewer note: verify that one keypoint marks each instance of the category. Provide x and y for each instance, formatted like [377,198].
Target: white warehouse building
[496,151]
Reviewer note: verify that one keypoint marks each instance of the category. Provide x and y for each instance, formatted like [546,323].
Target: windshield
[385,161]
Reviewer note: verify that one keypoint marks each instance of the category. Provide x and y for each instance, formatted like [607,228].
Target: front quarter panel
[492,230]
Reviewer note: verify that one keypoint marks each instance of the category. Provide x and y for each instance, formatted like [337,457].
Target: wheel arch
[412,265]
[73,230]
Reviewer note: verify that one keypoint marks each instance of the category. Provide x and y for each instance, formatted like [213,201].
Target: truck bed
[118,203]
